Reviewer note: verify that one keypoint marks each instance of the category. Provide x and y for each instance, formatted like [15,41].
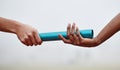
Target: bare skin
[25,33]
[76,39]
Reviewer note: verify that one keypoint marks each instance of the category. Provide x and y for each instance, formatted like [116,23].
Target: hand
[76,39]
[28,35]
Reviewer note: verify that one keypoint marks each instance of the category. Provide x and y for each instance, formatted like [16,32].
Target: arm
[26,34]
[76,39]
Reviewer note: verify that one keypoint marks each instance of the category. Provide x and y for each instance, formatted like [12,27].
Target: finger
[68,29]
[73,32]
[69,32]
[28,41]
[23,41]
[76,39]
[78,33]
[70,36]
[64,39]
[73,29]
[37,38]
[32,39]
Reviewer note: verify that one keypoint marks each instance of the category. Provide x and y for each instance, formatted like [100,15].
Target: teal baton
[51,36]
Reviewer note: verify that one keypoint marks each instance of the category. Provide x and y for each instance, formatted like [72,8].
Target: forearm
[110,29]
[8,25]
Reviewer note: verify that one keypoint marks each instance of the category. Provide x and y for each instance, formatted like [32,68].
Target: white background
[54,15]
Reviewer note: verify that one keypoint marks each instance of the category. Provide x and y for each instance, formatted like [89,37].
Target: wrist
[96,41]
[16,27]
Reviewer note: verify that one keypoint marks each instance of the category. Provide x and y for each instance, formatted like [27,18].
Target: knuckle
[34,31]
[23,41]
[31,44]
[26,39]
[29,34]
[26,44]
[65,42]
[40,42]
[35,44]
